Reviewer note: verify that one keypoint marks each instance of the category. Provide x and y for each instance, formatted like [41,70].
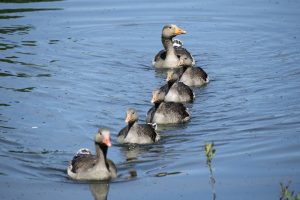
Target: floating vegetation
[286,194]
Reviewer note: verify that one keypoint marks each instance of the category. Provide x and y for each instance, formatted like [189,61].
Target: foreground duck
[169,57]
[190,75]
[176,91]
[166,112]
[85,166]
[137,133]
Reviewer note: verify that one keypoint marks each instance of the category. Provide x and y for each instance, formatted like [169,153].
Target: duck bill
[107,141]
[179,31]
[153,100]
[127,120]
[168,78]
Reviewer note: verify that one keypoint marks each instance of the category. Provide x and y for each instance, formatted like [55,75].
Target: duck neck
[130,124]
[168,45]
[156,105]
[101,151]
[170,83]
[184,68]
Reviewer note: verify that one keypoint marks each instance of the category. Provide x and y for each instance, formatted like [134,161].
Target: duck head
[171,76]
[171,30]
[103,137]
[158,96]
[131,116]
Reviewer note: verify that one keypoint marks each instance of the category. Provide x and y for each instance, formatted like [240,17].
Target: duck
[85,166]
[176,91]
[166,112]
[191,75]
[169,57]
[137,133]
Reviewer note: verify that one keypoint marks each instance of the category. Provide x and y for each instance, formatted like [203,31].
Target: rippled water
[69,67]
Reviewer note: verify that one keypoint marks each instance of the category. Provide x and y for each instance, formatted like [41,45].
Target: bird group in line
[168,108]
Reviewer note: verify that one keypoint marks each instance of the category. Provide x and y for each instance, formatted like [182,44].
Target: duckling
[190,75]
[137,133]
[166,112]
[176,91]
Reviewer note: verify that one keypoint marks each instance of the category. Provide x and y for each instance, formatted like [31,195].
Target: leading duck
[170,56]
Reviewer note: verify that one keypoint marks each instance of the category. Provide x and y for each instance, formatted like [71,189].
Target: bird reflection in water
[138,155]
[99,190]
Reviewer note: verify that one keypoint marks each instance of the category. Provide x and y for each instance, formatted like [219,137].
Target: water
[69,67]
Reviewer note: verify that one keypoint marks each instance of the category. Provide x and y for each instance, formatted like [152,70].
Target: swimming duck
[190,75]
[85,166]
[137,133]
[169,57]
[176,91]
[166,112]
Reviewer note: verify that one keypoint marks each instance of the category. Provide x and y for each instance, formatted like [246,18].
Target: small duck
[85,166]
[166,112]
[190,75]
[176,91]
[169,57]
[137,133]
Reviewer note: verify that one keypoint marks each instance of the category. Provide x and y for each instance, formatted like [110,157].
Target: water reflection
[99,190]
[133,151]
[19,29]
[27,89]
[26,1]
[142,155]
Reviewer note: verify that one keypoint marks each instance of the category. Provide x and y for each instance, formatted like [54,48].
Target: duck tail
[83,151]
[188,117]
[207,79]
[177,43]
[154,125]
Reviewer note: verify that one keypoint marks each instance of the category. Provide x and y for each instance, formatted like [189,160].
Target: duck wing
[147,130]
[183,89]
[83,162]
[177,108]
[179,52]
[123,132]
[160,56]
[112,168]
[150,114]
[199,72]
[165,88]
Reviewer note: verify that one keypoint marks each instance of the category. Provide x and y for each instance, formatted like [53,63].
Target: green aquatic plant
[288,195]
[209,152]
